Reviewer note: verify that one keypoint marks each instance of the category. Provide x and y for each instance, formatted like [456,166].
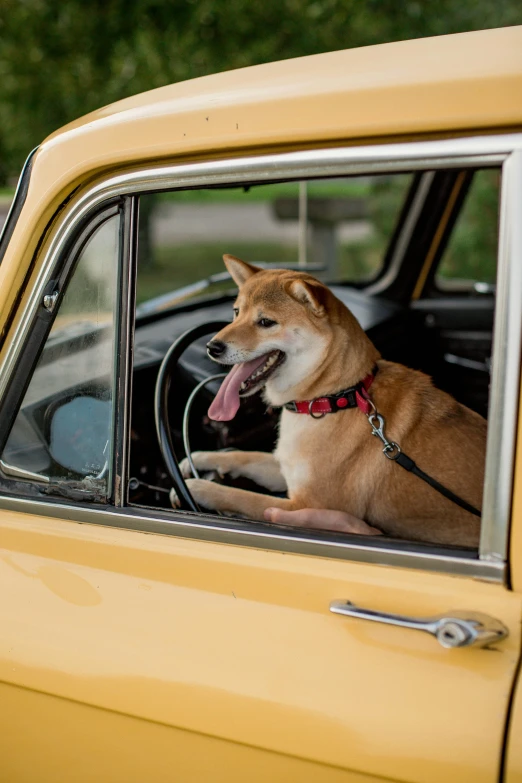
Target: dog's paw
[185,468]
[201,490]
[203,461]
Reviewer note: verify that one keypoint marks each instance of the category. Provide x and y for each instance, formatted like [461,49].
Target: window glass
[470,258]
[63,429]
[338,228]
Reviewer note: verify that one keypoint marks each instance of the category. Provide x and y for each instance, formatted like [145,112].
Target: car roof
[459,83]
[454,82]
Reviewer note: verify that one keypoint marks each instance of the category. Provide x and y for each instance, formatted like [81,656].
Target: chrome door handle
[455,629]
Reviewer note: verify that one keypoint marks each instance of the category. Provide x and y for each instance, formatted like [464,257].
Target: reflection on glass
[63,429]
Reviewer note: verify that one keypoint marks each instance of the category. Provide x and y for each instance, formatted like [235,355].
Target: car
[144,642]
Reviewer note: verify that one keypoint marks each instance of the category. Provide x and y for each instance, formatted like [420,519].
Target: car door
[139,644]
[149,653]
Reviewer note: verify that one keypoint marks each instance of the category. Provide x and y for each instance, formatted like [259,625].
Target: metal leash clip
[391,449]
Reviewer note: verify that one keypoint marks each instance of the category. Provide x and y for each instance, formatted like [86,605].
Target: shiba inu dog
[295,341]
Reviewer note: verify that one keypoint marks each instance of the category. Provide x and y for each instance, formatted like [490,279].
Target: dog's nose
[216,348]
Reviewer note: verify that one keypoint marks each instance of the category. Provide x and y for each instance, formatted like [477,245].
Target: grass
[175,266]
[472,250]
[178,266]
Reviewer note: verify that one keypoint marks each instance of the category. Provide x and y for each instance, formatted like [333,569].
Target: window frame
[472,152]
[60,276]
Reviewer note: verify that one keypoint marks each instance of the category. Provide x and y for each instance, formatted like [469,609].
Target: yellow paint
[238,645]
[447,84]
[97,745]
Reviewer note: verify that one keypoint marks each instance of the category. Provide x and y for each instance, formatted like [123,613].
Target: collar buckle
[354,397]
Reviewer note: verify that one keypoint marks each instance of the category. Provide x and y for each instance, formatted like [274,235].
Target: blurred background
[62,59]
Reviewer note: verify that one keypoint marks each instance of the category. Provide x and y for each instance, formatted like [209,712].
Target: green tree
[59,60]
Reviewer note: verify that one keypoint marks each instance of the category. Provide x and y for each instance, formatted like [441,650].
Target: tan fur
[334,462]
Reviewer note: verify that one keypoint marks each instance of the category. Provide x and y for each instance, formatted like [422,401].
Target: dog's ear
[309,295]
[239,270]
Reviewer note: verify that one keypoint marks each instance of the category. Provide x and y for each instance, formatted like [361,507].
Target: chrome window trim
[470,152]
[203,527]
[505,375]
[20,473]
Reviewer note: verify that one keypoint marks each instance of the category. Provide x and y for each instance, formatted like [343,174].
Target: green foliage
[181,265]
[59,60]
[472,250]
[167,264]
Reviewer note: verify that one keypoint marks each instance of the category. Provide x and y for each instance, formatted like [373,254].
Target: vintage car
[142,642]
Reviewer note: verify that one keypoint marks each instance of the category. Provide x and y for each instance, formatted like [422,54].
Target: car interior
[412,256]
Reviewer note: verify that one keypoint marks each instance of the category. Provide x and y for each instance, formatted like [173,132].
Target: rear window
[469,262]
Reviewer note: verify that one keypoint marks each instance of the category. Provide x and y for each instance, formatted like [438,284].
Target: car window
[63,428]
[353,238]
[339,229]
[469,262]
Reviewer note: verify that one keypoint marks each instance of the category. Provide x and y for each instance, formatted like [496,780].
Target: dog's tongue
[226,402]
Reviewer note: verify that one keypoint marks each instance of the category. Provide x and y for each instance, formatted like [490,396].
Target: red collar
[354,397]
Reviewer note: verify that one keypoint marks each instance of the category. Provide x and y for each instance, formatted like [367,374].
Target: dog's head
[279,337]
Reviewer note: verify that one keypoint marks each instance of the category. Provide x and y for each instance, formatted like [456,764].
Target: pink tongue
[226,402]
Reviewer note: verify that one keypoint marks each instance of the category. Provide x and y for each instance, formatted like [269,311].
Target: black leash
[393,451]
[408,464]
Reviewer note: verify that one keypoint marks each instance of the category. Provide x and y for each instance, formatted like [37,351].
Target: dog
[294,340]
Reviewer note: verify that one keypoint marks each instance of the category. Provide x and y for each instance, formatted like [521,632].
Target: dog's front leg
[229,500]
[259,466]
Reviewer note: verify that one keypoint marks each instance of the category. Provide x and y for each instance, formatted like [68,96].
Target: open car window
[338,229]
[371,245]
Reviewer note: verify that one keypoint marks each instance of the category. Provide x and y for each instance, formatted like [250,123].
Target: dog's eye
[266,322]
[236,312]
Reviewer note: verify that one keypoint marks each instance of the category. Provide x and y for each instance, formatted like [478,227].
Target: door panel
[238,644]
[453,344]
[85,744]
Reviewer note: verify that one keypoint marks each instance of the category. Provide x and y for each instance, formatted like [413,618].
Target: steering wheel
[161,408]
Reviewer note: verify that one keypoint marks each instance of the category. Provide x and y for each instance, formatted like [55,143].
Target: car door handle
[455,629]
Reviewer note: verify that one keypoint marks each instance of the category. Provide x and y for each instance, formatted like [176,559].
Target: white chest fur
[293,449]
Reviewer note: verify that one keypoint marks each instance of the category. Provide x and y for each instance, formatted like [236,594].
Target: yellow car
[144,643]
